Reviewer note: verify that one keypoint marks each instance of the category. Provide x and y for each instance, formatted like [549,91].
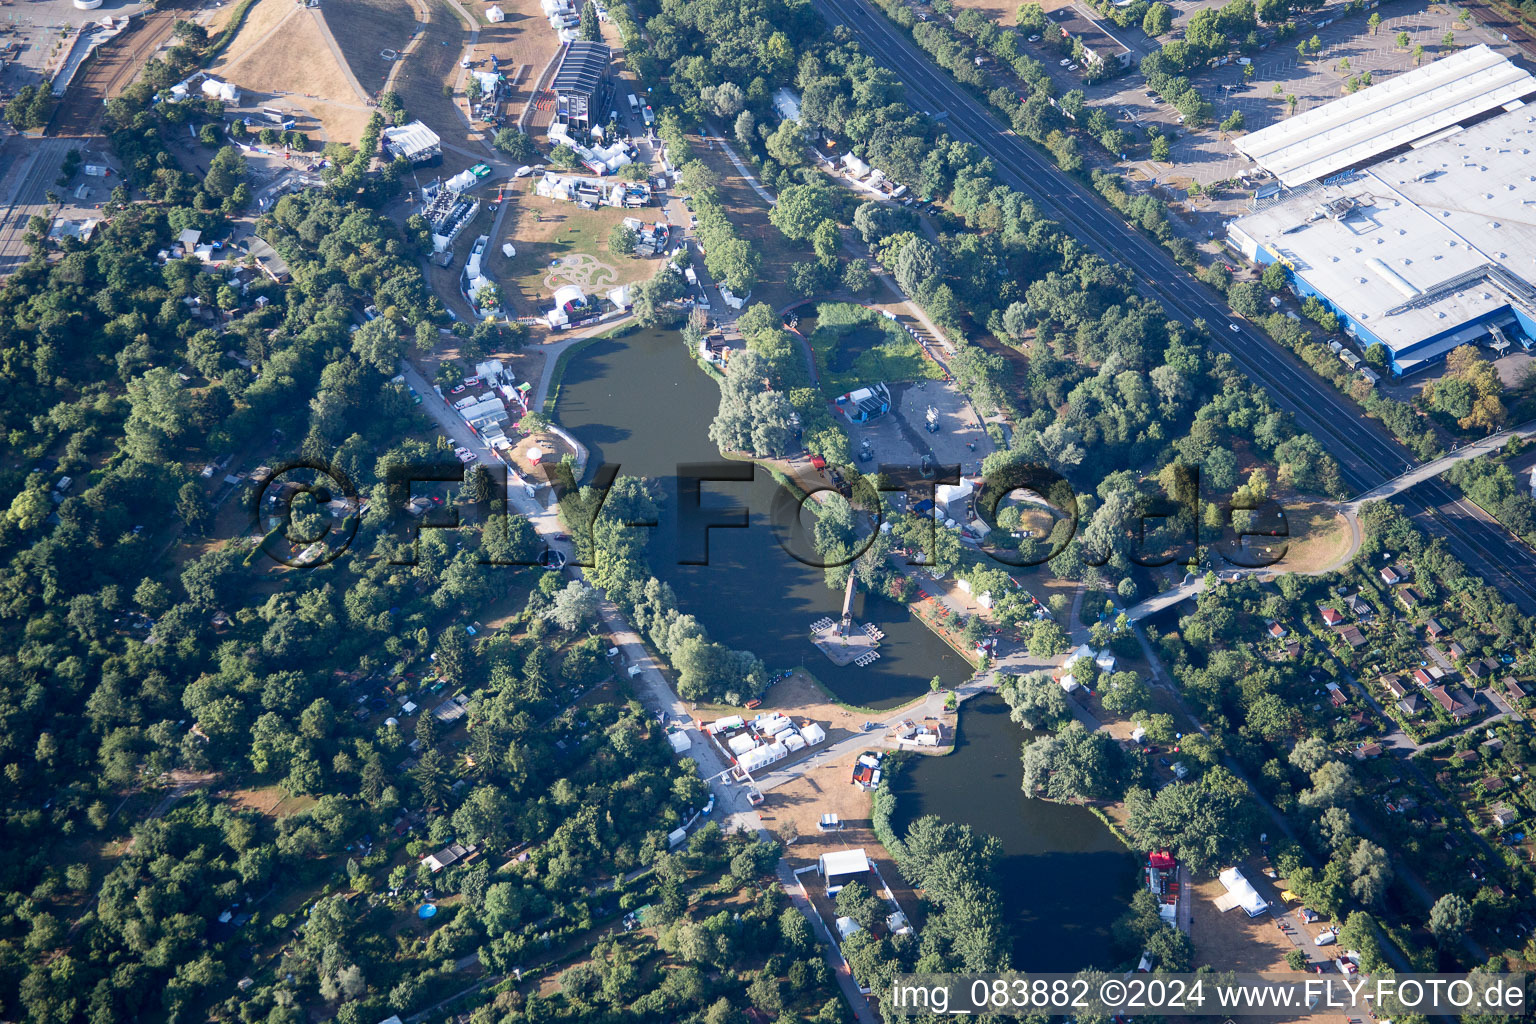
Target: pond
[642,403]
[1064,876]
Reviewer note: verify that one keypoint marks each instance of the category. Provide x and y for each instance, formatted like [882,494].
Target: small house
[1464,756]
[1332,616]
[1366,751]
[1503,815]
[1411,705]
[1493,784]
[1454,701]
[1276,630]
[1352,636]
[453,853]
[1409,598]
[1434,629]
[1336,696]
[1359,607]
[1457,652]
[1514,689]
[1394,686]
[1391,576]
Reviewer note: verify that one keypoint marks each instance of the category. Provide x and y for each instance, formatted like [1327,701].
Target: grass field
[271,801]
[365,28]
[750,215]
[853,344]
[1320,536]
[544,230]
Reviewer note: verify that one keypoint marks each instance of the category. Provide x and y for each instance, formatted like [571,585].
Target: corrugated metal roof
[582,67]
[1373,121]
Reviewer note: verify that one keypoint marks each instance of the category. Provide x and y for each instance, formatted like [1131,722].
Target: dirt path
[341,61]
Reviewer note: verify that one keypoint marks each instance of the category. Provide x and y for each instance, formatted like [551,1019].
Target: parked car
[1065,61]
[456,389]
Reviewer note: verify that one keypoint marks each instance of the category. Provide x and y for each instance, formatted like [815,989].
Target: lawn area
[853,344]
[544,230]
[271,801]
[1319,537]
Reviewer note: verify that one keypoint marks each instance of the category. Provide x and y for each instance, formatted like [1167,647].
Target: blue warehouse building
[1419,243]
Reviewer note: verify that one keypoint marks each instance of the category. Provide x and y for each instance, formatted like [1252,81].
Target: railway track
[1517,31]
[108,72]
[1366,454]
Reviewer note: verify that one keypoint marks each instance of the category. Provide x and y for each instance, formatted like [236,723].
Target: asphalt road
[1366,453]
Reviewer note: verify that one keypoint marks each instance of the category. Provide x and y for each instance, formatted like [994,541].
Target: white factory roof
[1387,246]
[1350,131]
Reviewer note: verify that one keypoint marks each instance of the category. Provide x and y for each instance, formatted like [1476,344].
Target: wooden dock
[857,647]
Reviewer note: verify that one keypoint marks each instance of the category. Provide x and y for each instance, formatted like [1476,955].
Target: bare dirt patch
[431,66]
[522,46]
[281,50]
[827,789]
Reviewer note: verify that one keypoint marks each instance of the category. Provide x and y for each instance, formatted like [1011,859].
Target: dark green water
[1064,876]
[640,402]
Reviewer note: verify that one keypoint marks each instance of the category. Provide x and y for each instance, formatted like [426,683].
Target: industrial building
[414,142]
[1406,109]
[578,82]
[1420,234]
[1422,252]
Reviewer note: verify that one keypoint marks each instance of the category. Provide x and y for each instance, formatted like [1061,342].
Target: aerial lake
[643,403]
[1064,877]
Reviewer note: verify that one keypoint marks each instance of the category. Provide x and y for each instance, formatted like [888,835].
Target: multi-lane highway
[1366,453]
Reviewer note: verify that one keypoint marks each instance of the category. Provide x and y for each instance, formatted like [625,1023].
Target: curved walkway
[423,18]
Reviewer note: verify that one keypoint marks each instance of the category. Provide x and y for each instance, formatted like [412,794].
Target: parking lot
[1205,156]
[900,439]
